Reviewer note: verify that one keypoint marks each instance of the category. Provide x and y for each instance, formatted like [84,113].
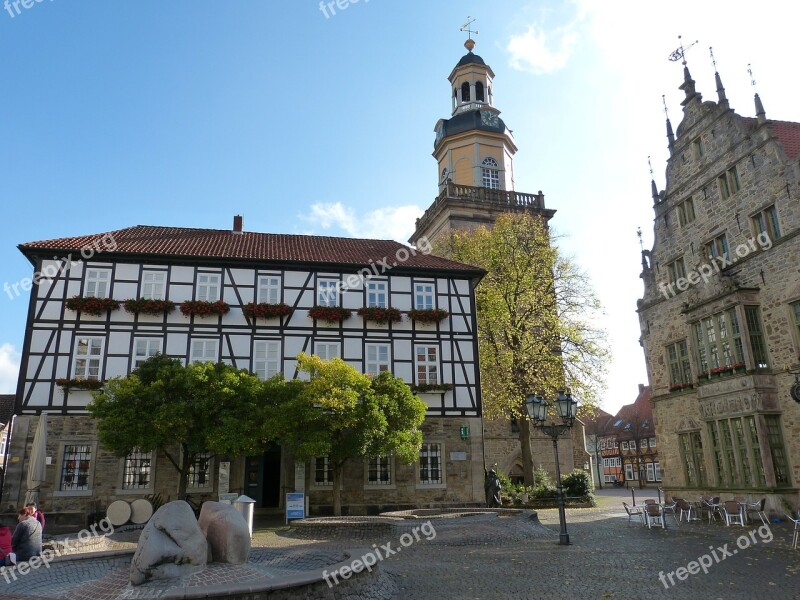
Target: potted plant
[380,315]
[263,310]
[330,314]
[204,308]
[426,388]
[428,315]
[148,307]
[80,384]
[91,305]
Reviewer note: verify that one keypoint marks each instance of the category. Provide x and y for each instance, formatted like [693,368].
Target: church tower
[474,152]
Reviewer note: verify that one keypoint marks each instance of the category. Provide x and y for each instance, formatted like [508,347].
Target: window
[376,294]
[691,450]
[379,470]
[651,472]
[728,183]
[686,212]
[266,358]
[154,285]
[632,445]
[676,270]
[491,173]
[200,471]
[323,471]
[203,350]
[629,472]
[3,441]
[465,92]
[751,435]
[697,148]
[643,444]
[88,352]
[652,442]
[75,468]
[328,292]
[757,342]
[207,287]
[680,368]
[136,470]
[776,449]
[430,464]
[657,471]
[377,361]
[766,224]
[327,350]
[269,289]
[479,92]
[718,247]
[719,342]
[423,296]
[796,314]
[624,445]
[144,348]
[97,283]
[427,365]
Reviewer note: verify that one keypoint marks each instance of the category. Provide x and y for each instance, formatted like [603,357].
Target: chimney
[237,224]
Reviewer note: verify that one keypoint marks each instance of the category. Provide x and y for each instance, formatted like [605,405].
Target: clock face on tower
[489,118]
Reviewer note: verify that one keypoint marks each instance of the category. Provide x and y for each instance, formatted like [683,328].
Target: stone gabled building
[720,315]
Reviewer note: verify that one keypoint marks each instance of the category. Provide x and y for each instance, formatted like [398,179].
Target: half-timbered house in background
[65,348]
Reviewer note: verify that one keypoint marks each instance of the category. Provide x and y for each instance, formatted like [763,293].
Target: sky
[319,120]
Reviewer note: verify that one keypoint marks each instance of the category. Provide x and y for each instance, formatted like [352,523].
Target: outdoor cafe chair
[671,508]
[796,530]
[758,508]
[654,515]
[712,507]
[686,509]
[635,510]
[734,512]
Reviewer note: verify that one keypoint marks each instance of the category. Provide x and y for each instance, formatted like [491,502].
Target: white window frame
[377,359]
[624,445]
[208,287]
[269,289]
[327,291]
[652,442]
[323,350]
[92,358]
[154,285]
[376,294]
[266,358]
[204,353]
[327,471]
[382,464]
[125,483]
[62,459]
[657,470]
[630,473]
[651,473]
[490,173]
[144,348]
[425,296]
[97,284]
[428,451]
[209,483]
[432,371]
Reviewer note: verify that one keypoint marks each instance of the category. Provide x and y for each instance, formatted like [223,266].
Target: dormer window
[491,173]
[465,92]
[479,92]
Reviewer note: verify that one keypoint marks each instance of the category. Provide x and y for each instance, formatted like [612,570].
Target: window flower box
[149,307]
[203,308]
[428,315]
[91,305]
[426,388]
[380,315]
[330,314]
[677,387]
[80,384]
[266,311]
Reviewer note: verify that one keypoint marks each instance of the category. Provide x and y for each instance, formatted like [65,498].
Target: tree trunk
[525,445]
[183,479]
[337,491]
[597,468]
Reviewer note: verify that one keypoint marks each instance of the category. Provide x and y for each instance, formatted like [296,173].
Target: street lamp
[567,408]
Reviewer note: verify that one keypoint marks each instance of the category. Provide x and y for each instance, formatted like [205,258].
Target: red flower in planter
[266,311]
[331,314]
[428,315]
[380,315]
[80,384]
[149,307]
[203,308]
[91,305]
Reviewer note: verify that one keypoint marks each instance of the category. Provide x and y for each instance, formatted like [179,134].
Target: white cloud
[395,223]
[540,51]
[9,369]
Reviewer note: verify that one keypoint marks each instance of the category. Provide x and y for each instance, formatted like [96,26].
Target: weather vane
[467,27]
[713,61]
[750,72]
[664,102]
[680,53]
[639,235]
[651,166]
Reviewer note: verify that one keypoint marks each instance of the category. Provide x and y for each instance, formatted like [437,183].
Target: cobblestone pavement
[486,557]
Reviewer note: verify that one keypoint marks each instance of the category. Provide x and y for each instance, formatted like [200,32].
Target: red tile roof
[248,246]
[787,132]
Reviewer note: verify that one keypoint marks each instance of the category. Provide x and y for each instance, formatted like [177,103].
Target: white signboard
[299,477]
[224,477]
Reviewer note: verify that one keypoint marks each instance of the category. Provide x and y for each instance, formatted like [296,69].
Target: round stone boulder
[226,531]
[171,545]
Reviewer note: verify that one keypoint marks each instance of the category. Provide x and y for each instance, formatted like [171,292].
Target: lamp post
[566,407]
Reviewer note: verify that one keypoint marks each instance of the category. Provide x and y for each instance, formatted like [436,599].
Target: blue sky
[187,112]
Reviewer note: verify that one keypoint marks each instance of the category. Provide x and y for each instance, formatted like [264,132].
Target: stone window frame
[122,490]
[794,317]
[62,448]
[767,221]
[420,485]
[756,336]
[729,183]
[676,270]
[686,213]
[202,489]
[392,485]
[679,362]
[739,351]
[691,455]
[697,148]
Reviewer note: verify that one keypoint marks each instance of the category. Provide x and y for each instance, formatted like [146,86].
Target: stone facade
[719,316]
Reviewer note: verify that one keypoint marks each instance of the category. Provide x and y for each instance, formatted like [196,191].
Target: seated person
[5,542]
[27,539]
[36,513]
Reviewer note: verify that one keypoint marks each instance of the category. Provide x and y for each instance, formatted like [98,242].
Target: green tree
[182,411]
[536,316]
[343,414]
